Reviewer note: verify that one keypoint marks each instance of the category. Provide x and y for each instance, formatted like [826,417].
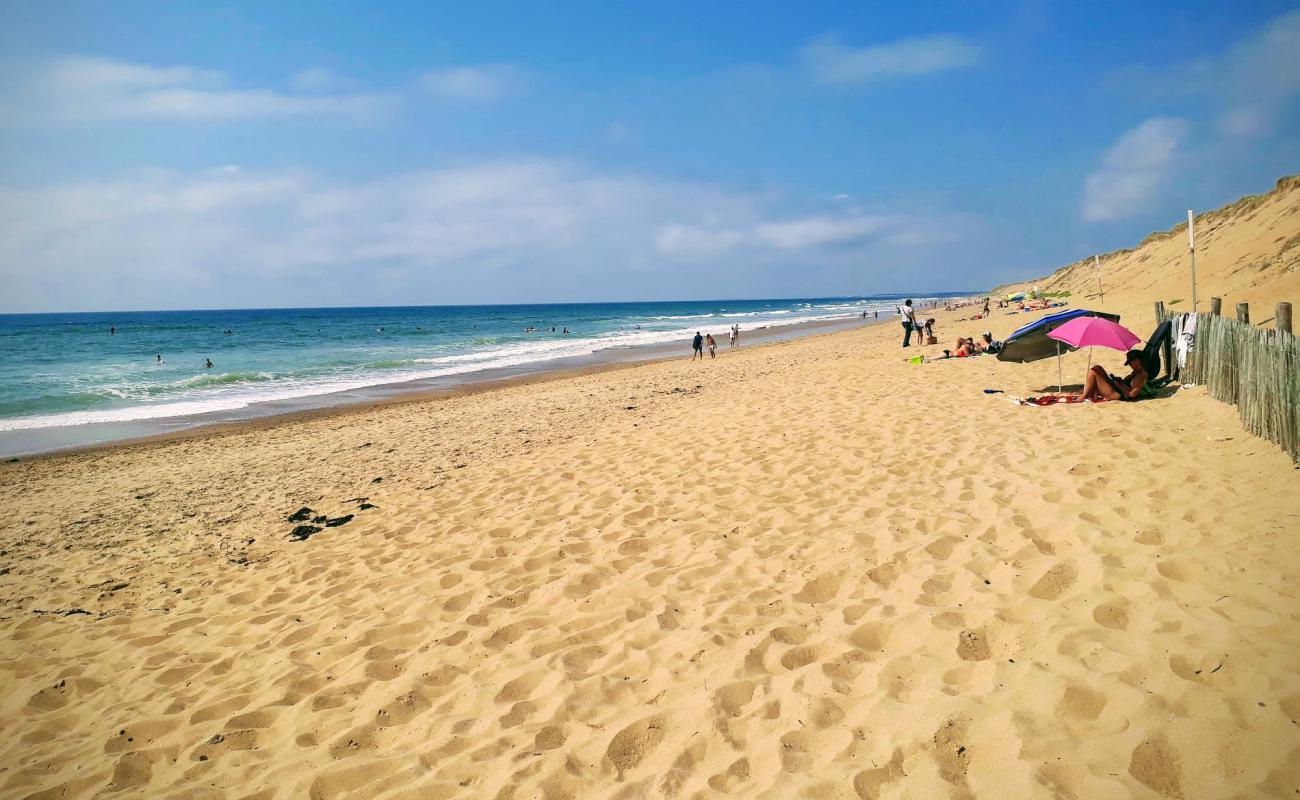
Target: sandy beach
[807,569]
[511,401]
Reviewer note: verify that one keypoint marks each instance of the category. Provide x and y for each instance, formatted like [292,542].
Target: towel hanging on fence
[1186,340]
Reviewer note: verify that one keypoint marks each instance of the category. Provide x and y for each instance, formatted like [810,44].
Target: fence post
[1284,317]
[1243,312]
[1216,305]
[1160,311]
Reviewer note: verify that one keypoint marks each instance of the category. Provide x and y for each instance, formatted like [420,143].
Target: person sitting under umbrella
[1098,385]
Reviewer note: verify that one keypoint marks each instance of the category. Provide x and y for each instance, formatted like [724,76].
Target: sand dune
[1246,252]
[806,570]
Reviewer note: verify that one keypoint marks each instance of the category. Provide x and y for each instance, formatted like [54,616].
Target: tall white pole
[1097,262]
[1191,247]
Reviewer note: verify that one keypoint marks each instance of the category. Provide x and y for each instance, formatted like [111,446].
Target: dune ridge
[1247,251]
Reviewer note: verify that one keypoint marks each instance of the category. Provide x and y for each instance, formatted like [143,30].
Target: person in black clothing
[698,344]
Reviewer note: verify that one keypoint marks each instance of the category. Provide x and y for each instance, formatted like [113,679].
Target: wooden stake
[1243,312]
[1284,317]
[1216,305]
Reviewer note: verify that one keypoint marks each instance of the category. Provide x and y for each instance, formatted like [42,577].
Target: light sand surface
[808,569]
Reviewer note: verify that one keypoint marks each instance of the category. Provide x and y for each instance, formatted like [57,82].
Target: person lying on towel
[1098,385]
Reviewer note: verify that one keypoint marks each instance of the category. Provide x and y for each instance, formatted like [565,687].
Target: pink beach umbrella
[1092,332]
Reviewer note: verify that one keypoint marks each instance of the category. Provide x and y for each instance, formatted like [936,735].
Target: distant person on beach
[731,337]
[697,344]
[713,346]
[909,322]
[207,363]
[112,331]
[986,306]
[736,328]
[159,358]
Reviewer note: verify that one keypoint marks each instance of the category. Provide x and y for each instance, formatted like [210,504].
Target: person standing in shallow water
[713,346]
[697,345]
[207,363]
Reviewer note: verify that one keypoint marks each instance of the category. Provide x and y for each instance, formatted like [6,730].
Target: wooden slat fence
[1257,369]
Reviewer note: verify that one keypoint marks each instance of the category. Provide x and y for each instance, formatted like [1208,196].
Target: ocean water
[68,369]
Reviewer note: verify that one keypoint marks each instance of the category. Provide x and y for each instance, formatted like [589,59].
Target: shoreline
[14,445]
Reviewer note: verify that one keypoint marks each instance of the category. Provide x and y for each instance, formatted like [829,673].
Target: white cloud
[689,240]
[829,61]
[482,84]
[1133,170]
[1258,77]
[487,231]
[79,89]
[824,231]
[1244,90]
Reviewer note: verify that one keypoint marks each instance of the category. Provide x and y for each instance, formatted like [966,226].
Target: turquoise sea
[83,368]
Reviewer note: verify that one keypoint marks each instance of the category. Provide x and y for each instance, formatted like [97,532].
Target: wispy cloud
[1133,170]
[829,61]
[802,233]
[81,89]
[1244,90]
[482,84]
[294,237]
[1260,77]
[825,231]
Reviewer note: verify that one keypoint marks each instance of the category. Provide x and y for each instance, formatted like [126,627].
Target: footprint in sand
[1080,702]
[1055,581]
[868,783]
[1156,765]
[972,645]
[820,589]
[630,746]
[733,697]
[732,779]
[1112,614]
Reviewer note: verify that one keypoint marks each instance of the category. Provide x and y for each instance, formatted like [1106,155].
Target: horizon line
[884,295]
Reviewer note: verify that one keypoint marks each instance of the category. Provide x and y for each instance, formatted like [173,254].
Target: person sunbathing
[989,345]
[1098,385]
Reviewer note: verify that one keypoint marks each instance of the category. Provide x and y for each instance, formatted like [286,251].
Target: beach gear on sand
[1054,399]
[1031,343]
[1094,332]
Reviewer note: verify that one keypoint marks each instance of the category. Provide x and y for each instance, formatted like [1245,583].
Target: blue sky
[288,154]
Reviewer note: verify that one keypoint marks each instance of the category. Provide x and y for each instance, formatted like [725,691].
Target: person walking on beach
[713,346]
[909,322]
[731,336]
[735,338]
[697,344]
